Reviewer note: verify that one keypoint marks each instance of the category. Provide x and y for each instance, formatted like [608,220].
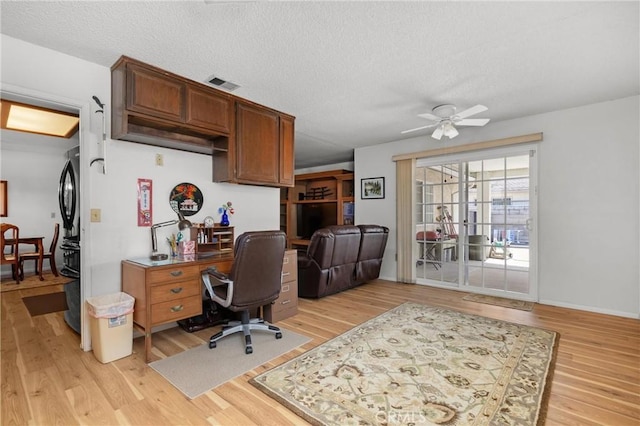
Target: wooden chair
[12,258]
[51,255]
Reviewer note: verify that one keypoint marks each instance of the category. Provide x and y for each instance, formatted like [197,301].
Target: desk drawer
[179,273]
[174,310]
[174,291]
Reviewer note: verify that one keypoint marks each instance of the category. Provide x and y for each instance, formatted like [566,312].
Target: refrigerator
[69,200]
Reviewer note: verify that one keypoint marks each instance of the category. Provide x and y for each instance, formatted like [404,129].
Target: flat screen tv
[312,217]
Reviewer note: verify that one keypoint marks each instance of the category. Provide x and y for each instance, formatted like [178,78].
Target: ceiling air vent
[221,83]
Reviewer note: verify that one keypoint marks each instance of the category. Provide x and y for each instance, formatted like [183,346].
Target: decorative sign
[187,198]
[145,215]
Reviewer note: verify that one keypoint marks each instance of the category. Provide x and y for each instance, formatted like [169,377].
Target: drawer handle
[176,290]
[285,288]
[284,302]
[177,308]
[176,273]
[284,274]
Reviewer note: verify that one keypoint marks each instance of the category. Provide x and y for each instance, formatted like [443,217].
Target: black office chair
[255,280]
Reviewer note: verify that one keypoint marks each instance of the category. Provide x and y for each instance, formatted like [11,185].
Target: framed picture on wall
[372,188]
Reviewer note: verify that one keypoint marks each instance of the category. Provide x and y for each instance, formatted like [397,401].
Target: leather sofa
[340,257]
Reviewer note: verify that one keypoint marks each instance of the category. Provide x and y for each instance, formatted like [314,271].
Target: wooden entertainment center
[331,191]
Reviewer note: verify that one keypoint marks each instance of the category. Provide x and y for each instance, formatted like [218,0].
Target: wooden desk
[166,291]
[37,243]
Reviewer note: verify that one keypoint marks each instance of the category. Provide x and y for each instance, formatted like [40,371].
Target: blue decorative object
[225,219]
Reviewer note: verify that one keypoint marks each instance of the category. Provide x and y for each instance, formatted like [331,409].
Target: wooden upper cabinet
[153,93]
[257,145]
[287,152]
[249,143]
[207,109]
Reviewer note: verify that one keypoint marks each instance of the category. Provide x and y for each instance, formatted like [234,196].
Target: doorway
[474,222]
[41,147]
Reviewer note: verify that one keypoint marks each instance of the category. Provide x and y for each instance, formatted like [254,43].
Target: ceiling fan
[446,119]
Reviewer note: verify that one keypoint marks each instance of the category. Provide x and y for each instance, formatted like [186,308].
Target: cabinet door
[208,109]
[287,171]
[257,145]
[152,93]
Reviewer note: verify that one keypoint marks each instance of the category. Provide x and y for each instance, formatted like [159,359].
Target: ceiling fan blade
[430,116]
[417,128]
[438,133]
[472,122]
[471,111]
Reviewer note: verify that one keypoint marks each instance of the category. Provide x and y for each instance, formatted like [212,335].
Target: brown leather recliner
[333,260]
[372,245]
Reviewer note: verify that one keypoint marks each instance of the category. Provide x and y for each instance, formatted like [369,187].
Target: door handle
[529,224]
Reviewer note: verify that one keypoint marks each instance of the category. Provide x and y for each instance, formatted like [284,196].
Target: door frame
[30,96]
[476,155]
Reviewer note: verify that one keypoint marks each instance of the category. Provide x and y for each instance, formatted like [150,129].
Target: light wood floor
[48,380]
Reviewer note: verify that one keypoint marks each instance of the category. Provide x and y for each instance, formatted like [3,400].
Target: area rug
[46,303]
[420,365]
[500,301]
[198,370]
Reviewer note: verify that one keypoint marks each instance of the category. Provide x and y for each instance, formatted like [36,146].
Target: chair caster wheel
[248,350]
[212,345]
[278,335]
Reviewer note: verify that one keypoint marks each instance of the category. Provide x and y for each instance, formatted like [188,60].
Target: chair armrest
[219,279]
[222,278]
[304,261]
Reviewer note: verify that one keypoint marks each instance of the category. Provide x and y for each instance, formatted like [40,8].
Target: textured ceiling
[358,73]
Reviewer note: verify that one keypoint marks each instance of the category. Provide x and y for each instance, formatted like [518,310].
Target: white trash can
[111,326]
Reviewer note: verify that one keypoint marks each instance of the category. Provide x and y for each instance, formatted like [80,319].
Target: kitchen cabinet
[287,151]
[156,107]
[262,152]
[249,143]
[257,144]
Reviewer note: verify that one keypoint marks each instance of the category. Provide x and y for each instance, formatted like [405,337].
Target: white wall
[117,236]
[589,198]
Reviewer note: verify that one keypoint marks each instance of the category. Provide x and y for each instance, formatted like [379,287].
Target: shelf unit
[215,240]
[330,187]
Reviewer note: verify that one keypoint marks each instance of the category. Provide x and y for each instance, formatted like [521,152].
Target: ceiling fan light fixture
[437,134]
[449,130]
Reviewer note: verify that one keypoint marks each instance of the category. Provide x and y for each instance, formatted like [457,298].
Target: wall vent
[222,83]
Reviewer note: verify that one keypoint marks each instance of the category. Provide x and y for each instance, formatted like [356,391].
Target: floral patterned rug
[420,365]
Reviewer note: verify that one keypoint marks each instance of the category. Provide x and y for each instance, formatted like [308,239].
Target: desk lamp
[182,224]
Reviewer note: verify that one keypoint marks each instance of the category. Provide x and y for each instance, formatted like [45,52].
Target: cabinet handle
[177,308]
[176,273]
[285,260]
[284,274]
[285,288]
[284,302]
[176,290]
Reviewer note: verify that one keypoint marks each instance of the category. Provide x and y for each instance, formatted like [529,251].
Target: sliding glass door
[474,223]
